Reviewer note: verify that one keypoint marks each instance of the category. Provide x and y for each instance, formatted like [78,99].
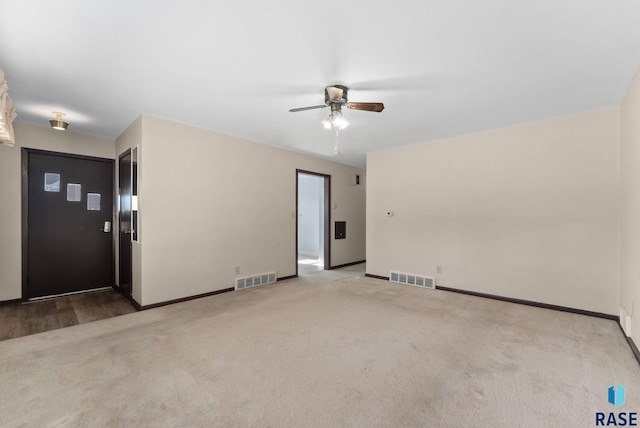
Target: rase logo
[616,395]
[620,419]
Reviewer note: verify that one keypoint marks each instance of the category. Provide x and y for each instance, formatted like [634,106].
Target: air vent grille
[412,279]
[255,280]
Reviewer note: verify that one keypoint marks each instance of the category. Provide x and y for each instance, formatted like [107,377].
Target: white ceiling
[442,68]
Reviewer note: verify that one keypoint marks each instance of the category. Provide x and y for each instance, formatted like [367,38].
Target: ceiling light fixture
[335,120]
[336,97]
[58,123]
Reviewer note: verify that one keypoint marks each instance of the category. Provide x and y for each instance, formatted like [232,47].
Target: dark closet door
[70,201]
[124,180]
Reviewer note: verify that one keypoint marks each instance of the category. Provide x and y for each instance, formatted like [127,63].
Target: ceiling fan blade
[293,110]
[376,107]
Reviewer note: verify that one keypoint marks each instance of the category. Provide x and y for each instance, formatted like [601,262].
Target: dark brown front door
[69,215]
[124,175]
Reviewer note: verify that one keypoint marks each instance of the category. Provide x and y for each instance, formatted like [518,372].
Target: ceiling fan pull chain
[335,149]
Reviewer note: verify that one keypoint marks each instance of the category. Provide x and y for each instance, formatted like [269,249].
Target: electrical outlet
[438,269]
[237,270]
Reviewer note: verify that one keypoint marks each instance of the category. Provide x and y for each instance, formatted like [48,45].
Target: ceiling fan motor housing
[336,94]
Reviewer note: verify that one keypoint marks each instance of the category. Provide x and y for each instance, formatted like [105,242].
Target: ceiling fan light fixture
[58,123]
[336,97]
[335,120]
[338,121]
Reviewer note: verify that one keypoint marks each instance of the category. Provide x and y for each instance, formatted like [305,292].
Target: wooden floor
[22,319]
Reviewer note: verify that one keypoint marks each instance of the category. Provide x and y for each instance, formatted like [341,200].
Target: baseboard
[9,302]
[184,299]
[137,306]
[632,345]
[615,318]
[532,303]
[347,265]
[634,348]
[518,301]
[386,278]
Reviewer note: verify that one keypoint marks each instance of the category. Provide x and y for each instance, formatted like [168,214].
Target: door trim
[116,189]
[24,153]
[327,216]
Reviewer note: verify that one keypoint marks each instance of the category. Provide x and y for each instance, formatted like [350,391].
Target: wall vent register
[411,279]
[255,280]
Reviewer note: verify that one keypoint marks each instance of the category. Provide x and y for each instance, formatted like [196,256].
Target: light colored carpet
[330,349]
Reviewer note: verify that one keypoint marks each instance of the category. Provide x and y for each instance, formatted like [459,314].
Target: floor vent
[411,279]
[255,280]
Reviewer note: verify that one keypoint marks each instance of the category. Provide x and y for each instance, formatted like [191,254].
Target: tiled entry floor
[22,319]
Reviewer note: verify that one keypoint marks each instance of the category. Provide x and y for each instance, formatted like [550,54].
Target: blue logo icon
[616,395]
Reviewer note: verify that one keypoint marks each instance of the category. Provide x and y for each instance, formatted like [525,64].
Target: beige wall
[208,203]
[211,202]
[34,137]
[528,212]
[630,195]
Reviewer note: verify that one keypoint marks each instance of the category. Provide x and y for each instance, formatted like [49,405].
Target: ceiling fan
[336,97]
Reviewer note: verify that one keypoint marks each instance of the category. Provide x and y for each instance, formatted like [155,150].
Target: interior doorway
[313,245]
